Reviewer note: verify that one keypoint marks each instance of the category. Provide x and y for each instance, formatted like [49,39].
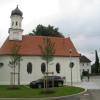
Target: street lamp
[71,65]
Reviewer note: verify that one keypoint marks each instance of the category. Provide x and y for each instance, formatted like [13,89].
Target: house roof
[84,59]
[29,46]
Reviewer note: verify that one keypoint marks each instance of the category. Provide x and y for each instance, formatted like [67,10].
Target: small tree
[48,52]
[15,60]
[97,66]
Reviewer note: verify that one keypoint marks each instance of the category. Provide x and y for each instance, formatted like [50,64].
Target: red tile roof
[30,46]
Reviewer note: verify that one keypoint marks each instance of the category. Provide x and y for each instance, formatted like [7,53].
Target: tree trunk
[19,73]
[14,74]
[47,75]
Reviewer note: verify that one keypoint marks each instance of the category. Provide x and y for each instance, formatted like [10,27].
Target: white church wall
[15,35]
[65,69]
[36,69]
[5,71]
[36,61]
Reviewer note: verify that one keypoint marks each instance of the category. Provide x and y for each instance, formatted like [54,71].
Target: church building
[31,64]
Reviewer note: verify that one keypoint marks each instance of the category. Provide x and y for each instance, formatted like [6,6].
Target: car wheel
[60,84]
[39,86]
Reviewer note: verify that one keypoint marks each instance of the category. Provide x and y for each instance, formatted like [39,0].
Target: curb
[48,98]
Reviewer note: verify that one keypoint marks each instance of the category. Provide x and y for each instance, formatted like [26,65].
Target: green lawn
[26,92]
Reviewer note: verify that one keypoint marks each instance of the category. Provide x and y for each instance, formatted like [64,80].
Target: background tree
[93,68]
[48,51]
[15,61]
[97,66]
[46,31]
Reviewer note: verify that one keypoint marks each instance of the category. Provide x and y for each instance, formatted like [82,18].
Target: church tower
[15,30]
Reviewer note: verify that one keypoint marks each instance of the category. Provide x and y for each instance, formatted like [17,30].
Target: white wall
[36,69]
[85,67]
[5,71]
[14,19]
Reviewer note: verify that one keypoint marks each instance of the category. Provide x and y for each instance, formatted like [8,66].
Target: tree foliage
[47,50]
[93,68]
[97,66]
[47,31]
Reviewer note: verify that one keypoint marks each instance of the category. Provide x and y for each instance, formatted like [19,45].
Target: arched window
[29,68]
[58,68]
[43,67]
[1,64]
[16,23]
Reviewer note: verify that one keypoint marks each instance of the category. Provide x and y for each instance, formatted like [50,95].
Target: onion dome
[16,12]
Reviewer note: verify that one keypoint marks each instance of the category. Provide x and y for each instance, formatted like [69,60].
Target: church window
[58,68]
[1,64]
[16,23]
[29,68]
[43,68]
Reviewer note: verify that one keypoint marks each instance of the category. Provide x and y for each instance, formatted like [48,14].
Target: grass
[26,92]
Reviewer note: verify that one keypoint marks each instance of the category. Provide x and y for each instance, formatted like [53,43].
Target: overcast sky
[79,19]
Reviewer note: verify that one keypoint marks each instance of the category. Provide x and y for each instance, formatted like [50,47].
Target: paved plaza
[89,95]
[93,83]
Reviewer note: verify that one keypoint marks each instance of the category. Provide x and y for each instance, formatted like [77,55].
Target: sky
[79,19]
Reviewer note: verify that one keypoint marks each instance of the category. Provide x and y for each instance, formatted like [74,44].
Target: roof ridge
[44,36]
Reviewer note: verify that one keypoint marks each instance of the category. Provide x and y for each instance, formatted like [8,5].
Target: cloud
[79,18]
